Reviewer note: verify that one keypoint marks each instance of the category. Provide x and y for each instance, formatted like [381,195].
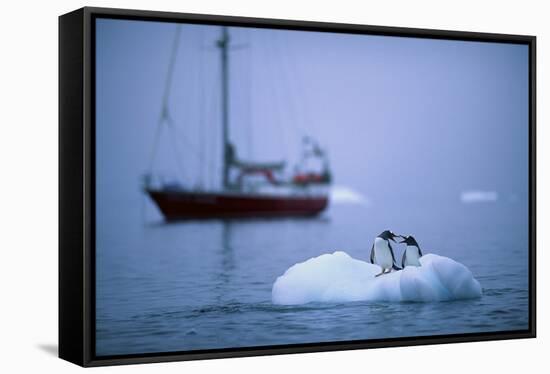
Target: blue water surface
[207,284]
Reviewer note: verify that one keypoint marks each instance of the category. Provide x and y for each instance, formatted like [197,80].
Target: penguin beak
[393,236]
[403,241]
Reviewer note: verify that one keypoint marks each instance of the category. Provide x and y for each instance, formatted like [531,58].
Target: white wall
[28,188]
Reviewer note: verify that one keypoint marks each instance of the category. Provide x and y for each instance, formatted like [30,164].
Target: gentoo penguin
[381,252]
[412,254]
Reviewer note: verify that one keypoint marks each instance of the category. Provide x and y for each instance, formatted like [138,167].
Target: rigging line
[207,127]
[217,141]
[191,105]
[168,82]
[287,76]
[207,121]
[292,114]
[180,136]
[276,94]
[179,165]
[213,125]
[304,95]
[156,139]
[201,109]
[248,100]
[164,115]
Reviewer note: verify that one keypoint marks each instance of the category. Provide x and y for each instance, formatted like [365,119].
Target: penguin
[381,252]
[412,254]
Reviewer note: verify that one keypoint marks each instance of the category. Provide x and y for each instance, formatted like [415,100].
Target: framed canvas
[236,186]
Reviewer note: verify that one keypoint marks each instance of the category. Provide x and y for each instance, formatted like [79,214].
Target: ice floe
[337,277]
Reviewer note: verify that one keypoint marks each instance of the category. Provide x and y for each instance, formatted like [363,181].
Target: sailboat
[305,193]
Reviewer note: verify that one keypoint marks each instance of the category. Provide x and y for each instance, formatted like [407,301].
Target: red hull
[176,205]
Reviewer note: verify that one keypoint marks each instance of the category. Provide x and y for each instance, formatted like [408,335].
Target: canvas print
[260,187]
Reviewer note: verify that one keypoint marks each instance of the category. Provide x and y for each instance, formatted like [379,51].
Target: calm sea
[203,285]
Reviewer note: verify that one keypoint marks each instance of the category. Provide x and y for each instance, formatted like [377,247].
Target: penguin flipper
[403,259]
[394,263]
[372,254]
[391,251]
[420,252]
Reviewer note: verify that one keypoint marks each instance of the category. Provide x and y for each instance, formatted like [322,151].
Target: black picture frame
[77,181]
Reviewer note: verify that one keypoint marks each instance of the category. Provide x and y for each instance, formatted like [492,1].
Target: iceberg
[470,197]
[347,195]
[338,277]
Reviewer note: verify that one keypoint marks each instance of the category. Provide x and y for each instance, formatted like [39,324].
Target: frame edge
[70,252]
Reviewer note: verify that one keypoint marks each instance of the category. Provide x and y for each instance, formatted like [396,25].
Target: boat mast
[223,45]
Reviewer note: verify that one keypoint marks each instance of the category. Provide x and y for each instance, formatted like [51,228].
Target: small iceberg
[471,197]
[337,277]
[347,195]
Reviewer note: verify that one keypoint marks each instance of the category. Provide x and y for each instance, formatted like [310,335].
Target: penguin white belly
[412,256]
[382,253]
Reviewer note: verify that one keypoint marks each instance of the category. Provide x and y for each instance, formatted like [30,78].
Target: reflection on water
[207,284]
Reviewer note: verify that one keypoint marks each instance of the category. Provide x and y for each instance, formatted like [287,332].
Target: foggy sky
[401,118]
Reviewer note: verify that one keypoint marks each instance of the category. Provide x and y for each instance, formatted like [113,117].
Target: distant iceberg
[469,197]
[337,277]
[347,195]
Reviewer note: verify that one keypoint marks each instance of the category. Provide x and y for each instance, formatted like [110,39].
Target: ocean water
[197,285]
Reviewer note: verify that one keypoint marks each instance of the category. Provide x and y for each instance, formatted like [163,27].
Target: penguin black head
[409,240]
[388,235]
